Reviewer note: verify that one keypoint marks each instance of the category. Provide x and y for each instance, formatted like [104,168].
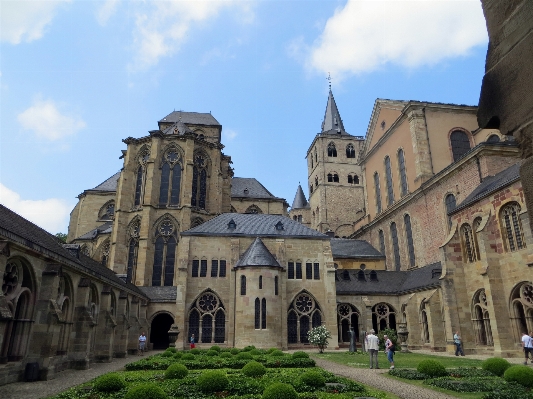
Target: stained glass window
[388,176]
[199,182]
[513,227]
[468,241]
[395,246]
[132,260]
[164,255]
[460,144]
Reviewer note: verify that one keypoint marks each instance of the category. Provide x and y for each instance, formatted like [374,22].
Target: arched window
[316,156]
[521,308]
[107,212]
[512,228]
[395,246]
[350,179]
[133,249]
[330,177]
[169,190]
[290,270]
[335,178]
[105,253]
[346,275]
[139,179]
[481,319]
[260,282]
[253,209]
[347,319]
[257,318]
[450,206]
[493,138]
[424,322]
[164,254]
[475,226]
[316,270]
[64,301]
[403,175]
[460,144]
[409,236]
[308,270]
[199,182]
[350,152]
[383,316]
[388,178]
[263,313]
[301,317]
[300,218]
[195,268]
[243,285]
[276,288]
[361,275]
[203,267]
[381,242]
[468,243]
[316,181]
[377,189]
[355,179]
[298,270]
[208,312]
[332,151]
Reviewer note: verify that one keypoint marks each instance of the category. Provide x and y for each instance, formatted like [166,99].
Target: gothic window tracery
[468,243]
[164,253]
[424,321]
[332,150]
[197,221]
[481,318]
[207,318]
[347,318]
[169,190]
[107,212]
[133,249]
[460,143]
[253,209]
[199,182]
[304,313]
[383,316]
[350,151]
[512,227]
[521,309]
[106,248]
[142,159]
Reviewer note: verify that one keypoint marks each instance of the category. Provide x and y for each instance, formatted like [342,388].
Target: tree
[62,237]
[319,336]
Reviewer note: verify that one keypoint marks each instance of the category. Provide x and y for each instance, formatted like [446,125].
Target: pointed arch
[521,308]
[481,319]
[134,228]
[140,174]
[348,316]
[171,171]
[201,172]
[383,316]
[332,150]
[103,252]
[166,240]
[511,227]
[107,211]
[207,318]
[303,310]
[253,209]
[350,151]
[197,221]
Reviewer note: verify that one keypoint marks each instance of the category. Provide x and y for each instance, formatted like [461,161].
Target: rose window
[144,157]
[344,310]
[207,303]
[12,278]
[304,303]
[527,293]
[199,161]
[166,228]
[172,156]
[382,310]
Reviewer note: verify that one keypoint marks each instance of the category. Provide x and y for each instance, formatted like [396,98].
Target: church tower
[336,191]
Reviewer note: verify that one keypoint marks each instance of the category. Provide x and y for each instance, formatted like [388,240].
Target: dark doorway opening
[159,331]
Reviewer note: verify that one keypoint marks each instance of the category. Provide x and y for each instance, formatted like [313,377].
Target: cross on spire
[329,80]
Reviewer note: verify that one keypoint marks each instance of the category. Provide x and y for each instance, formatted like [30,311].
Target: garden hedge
[496,365]
[521,374]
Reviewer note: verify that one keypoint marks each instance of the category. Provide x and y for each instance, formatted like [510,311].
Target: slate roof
[332,123]
[257,254]
[491,184]
[253,225]
[354,249]
[18,229]
[300,202]
[108,185]
[161,294]
[253,187]
[389,282]
[103,229]
[193,118]
[177,128]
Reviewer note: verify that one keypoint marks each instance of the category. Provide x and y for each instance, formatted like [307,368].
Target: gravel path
[63,381]
[374,378]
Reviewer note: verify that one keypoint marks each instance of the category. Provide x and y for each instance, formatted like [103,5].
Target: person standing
[458,344]
[373,348]
[527,344]
[192,340]
[389,350]
[142,344]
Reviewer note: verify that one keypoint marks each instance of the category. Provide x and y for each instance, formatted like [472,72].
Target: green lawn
[401,360]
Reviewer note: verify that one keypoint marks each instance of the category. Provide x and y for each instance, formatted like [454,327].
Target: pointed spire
[257,254]
[332,119]
[299,199]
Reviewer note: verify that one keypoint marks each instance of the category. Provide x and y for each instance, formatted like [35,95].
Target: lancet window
[409,237]
[512,228]
[424,321]
[332,150]
[403,174]
[383,316]
[350,151]
[107,212]
[199,182]
[133,249]
[468,243]
[450,206]
[347,318]
[381,242]
[207,319]
[243,285]
[388,176]
[521,309]
[106,247]
[481,319]
[165,254]
[169,191]
[377,189]
[460,144]
[395,246]
[304,313]
[140,176]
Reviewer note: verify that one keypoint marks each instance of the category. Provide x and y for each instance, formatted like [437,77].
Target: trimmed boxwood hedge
[146,391]
[212,381]
[520,374]
[253,369]
[300,355]
[431,368]
[109,383]
[496,365]
[408,374]
[280,391]
[176,371]
[313,379]
[474,384]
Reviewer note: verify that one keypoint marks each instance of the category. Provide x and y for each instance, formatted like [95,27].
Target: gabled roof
[160,294]
[254,225]
[354,249]
[389,282]
[332,123]
[177,128]
[108,185]
[300,202]
[491,184]
[103,229]
[248,187]
[257,254]
[191,118]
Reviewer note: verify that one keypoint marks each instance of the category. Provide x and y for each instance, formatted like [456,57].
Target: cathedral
[419,225]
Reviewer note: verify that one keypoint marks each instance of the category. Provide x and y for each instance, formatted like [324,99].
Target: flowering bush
[319,336]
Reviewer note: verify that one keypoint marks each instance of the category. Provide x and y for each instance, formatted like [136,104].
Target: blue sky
[77,77]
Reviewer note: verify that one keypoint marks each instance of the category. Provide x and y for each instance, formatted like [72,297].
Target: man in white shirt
[142,343]
[373,348]
[527,344]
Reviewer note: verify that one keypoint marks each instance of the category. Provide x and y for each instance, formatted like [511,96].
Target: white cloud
[166,25]
[51,214]
[26,20]
[46,121]
[229,134]
[365,35]
[106,11]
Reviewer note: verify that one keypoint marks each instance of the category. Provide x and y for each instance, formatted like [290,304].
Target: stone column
[82,329]
[123,325]
[5,312]
[420,141]
[105,331]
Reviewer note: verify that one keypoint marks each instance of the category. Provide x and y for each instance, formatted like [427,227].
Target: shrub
[146,391]
[477,384]
[279,391]
[313,379]
[248,348]
[226,354]
[234,351]
[212,381]
[254,369]
[177,355]
[215,348]
[319,336]
[109,383]
[389,332]
[467,372]
[408,374]
[276,353]
[521,374]
[496,365]
[187,356]
[176,371]
[271,350]
[171,349]
[244,355]
[167,354]
[256,352]
[300,355]
[431,368]
[511,390]
[195,351]
[211,352]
